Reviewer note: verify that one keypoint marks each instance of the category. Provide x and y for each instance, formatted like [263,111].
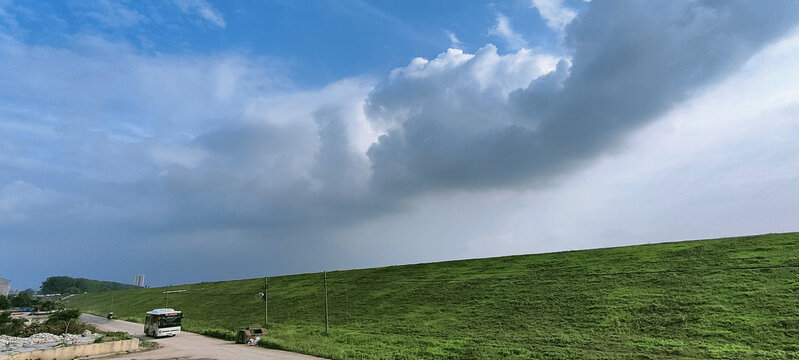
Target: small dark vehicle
[110,315]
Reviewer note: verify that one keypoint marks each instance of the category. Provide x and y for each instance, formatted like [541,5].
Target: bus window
[169,321]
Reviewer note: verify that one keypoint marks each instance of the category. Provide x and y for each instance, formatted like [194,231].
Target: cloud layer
[448,133]
[99,140]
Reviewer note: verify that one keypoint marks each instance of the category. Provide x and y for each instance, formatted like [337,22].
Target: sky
[200,140]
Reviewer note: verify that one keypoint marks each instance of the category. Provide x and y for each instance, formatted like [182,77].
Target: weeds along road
[189,345]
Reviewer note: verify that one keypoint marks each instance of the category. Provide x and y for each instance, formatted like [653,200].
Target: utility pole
[327,328]
[266,302]
[112,300]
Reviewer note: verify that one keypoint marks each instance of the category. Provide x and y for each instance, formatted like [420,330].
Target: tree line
[69,285]
[24,300]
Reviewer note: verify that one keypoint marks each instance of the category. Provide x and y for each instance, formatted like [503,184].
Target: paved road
[190,345]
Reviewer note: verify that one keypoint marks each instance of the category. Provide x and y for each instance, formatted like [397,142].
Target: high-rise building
[139,281]
[5,286]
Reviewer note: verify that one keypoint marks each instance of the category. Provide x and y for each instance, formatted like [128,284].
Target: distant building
[5,286]
[139,281]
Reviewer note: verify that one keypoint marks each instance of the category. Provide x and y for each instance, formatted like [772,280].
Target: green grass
[724,298]
[113,336]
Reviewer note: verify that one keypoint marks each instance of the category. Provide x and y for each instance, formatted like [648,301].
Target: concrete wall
[71,352]
[5,285]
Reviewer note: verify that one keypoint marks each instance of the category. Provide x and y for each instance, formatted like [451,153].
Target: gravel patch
[9,344]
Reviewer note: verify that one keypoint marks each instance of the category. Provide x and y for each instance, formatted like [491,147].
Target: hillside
[723,298]
[69,285]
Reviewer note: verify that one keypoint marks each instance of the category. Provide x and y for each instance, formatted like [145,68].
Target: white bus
[162,322]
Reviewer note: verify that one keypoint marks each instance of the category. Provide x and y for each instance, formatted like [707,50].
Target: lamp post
[166,295]
[265,295]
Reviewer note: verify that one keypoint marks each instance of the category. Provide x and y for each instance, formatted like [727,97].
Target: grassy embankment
[725,298]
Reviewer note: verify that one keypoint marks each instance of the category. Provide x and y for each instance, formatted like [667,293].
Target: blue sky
[303,36]
[195,140]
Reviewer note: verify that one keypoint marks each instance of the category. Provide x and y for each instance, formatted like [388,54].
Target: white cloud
[468,92]
[297,107]
[454,42]
[110,13]
[503,29]
[203,9]
[554,12]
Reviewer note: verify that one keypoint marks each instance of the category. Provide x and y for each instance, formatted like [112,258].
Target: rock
[43,341]
[10,343]
[86,333]
[254,341]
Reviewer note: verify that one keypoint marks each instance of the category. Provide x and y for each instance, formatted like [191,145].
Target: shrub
[49,305]
[10,326]
[219,334]
[64,316]
[113,336]
[58,323]
[119,335]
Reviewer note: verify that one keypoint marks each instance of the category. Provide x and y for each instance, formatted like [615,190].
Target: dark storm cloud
[632,61]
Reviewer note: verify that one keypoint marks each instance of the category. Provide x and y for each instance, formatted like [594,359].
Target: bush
[10,326]
[113,336]
[49,305]
[219,334]
[119,335]
[58,323]
[64,316]
[71,327]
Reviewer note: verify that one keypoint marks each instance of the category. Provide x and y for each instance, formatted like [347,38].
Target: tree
[71,290]
[22,299]
[57,284]
[68,285]
[30,291]
[4,302]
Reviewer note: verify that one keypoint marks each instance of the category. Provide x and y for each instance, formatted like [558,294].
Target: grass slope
[724,298]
